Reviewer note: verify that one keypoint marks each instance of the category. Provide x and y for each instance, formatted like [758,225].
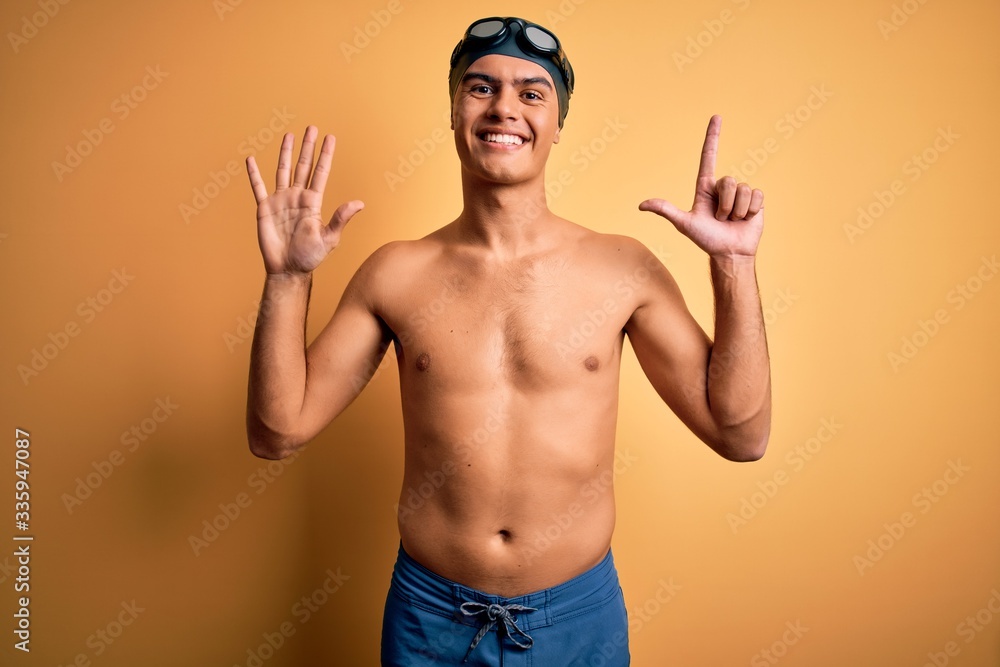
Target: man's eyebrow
[529,81]
[533,81]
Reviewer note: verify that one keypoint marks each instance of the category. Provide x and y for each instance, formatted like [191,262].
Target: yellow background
[837,302]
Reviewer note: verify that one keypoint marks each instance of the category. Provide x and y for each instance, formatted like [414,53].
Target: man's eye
[484,89]
[532,95]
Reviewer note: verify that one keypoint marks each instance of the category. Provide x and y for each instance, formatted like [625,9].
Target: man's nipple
[423,361]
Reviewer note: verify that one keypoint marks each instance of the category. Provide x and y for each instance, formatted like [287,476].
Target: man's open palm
[726,218]
[290,228]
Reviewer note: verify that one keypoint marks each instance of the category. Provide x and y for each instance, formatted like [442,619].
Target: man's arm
[721,389]
[739,373]
[293,392]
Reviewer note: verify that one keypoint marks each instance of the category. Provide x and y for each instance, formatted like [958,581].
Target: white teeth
[504,139]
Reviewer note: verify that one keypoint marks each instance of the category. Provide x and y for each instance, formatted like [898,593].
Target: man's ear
[555,140]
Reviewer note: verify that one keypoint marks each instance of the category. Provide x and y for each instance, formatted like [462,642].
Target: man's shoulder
[611,248]
[395,255]
[380,273]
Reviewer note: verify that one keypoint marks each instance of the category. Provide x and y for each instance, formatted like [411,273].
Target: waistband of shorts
[440,595]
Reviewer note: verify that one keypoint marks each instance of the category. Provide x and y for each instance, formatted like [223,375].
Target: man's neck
[504,220]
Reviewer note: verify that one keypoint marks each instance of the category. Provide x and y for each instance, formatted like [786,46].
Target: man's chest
[540,323]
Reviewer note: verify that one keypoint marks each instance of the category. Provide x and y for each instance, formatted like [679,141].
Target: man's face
[506,118]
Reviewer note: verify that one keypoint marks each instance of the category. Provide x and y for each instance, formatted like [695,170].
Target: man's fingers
[666,209]
[303,167]
[725,190]
[756,203]
[742,203]
[322,171]
[284,162]
[710,148]
[256,182]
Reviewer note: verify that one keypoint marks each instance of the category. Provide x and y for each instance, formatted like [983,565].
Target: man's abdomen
[509,492]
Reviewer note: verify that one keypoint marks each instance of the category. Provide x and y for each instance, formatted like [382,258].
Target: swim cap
[511,36]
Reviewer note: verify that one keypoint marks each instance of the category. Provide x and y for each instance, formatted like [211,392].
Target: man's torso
[509,382]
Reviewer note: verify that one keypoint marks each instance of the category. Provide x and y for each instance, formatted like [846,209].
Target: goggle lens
[486,29]
[540,38]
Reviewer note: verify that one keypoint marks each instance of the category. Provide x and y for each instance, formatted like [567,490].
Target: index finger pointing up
[711,147]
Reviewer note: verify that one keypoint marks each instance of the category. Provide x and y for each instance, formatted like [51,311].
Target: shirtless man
[507,407]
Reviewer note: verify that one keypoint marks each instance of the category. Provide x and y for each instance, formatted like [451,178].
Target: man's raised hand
[726,218]
[290,230]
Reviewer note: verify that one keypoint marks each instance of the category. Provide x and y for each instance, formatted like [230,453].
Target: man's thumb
[344,214]
[666,209]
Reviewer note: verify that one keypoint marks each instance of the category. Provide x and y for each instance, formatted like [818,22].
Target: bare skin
[508,327]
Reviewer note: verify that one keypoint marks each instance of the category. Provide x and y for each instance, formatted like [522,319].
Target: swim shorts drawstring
[495,612]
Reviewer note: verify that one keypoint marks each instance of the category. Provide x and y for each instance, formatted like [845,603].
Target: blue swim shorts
[431,620]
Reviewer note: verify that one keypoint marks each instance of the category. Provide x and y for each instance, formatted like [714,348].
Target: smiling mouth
[501,139]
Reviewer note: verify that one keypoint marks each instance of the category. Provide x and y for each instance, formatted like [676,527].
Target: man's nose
[505,104]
